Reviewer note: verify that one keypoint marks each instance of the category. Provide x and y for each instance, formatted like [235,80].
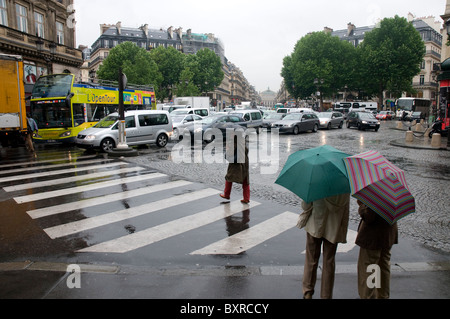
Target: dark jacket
[238,172]
[374,232]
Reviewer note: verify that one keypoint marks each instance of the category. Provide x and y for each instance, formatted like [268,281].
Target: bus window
[78,114]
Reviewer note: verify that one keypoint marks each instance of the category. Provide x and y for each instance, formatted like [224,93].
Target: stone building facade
[234,88]
[43,33]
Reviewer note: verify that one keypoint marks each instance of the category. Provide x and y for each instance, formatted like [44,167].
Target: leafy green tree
[186,87]
[320,62]
[135,62]
[390,57]
[170,63]
[207,70]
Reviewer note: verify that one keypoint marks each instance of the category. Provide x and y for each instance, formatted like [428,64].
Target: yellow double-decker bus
[62,107]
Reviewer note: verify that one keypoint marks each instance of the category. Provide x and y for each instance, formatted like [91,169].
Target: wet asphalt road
[25,238]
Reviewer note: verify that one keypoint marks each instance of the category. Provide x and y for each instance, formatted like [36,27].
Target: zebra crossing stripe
[151,235]
[34,168]
[251,237]
[78,189]
[62,208]
[45,161]
[101,220]
[73,179]
[58,172]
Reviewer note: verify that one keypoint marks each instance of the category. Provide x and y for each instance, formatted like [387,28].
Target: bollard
[409,137]
[418,127]
[436,140]
[399,125]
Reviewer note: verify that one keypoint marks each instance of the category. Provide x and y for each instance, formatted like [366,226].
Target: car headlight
[65,134]
[364,122]
[90,137]
[323,122]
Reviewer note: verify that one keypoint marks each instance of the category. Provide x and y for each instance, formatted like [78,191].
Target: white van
[253,118]
[141,127]
[203,112]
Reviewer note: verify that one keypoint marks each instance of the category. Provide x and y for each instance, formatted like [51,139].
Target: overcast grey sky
[256,34]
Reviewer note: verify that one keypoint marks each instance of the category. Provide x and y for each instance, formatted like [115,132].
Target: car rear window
[153,119]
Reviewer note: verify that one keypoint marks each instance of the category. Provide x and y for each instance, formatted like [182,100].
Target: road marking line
[34,168]
[85,188]
[151,235]
[58,172]
[46,161]
[74,178]
[53,210]
[101,220]
[251,237]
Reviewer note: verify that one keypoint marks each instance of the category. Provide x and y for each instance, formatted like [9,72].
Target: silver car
[141,127]
[329,120]
[297,122]
[180,121]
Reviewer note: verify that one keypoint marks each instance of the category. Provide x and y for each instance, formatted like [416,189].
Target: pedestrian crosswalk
[53,188]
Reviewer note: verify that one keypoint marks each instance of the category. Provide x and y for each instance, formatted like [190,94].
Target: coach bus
[410,105]
[62,108]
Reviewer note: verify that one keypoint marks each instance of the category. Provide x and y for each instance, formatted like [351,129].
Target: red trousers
[245,190]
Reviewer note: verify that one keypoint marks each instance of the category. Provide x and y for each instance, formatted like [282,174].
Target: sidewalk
[42,280]
[420,141]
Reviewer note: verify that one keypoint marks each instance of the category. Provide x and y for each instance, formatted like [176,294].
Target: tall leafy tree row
[388,59]
[168,70]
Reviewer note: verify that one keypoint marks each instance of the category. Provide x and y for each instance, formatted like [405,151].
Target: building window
[59,33]
[21,12]
[422,79]
[39,24]
[3,13]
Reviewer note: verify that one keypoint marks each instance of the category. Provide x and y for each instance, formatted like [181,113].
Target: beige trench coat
[329,218]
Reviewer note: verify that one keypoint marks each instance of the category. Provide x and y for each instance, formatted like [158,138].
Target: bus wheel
[162,140]
[107,145]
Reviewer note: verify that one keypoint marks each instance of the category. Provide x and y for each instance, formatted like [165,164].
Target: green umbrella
[315,173]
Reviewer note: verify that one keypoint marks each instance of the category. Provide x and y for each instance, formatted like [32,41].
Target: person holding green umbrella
[318,176]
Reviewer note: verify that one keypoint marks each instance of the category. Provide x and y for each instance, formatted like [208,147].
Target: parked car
[252,118]
[272,118]
[141,127]
[384,115]
[362,120]
[206,128]
[298,122]
[180,121]
[416,116]
[331,119]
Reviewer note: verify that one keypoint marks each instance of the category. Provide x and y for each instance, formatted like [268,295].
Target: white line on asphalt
[170,229]
[34,168]
[251,237]
[74,178]
[85,188]
[59,172]
[57,209]
[101,220]
[46,161]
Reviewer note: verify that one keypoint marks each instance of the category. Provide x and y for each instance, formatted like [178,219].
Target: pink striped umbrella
[380,185]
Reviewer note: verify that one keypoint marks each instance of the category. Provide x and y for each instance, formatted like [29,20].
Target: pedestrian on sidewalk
[326,223]
[31,129]
[375,239]
[238,169]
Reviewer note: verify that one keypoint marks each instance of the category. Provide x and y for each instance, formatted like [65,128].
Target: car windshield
[107,121]
[293,117]
[366,116]
[210,119]
[274,116]
[325,115]
[177,118]
[416,113]
[383,112]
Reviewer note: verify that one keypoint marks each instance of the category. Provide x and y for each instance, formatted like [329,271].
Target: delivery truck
[13,117]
